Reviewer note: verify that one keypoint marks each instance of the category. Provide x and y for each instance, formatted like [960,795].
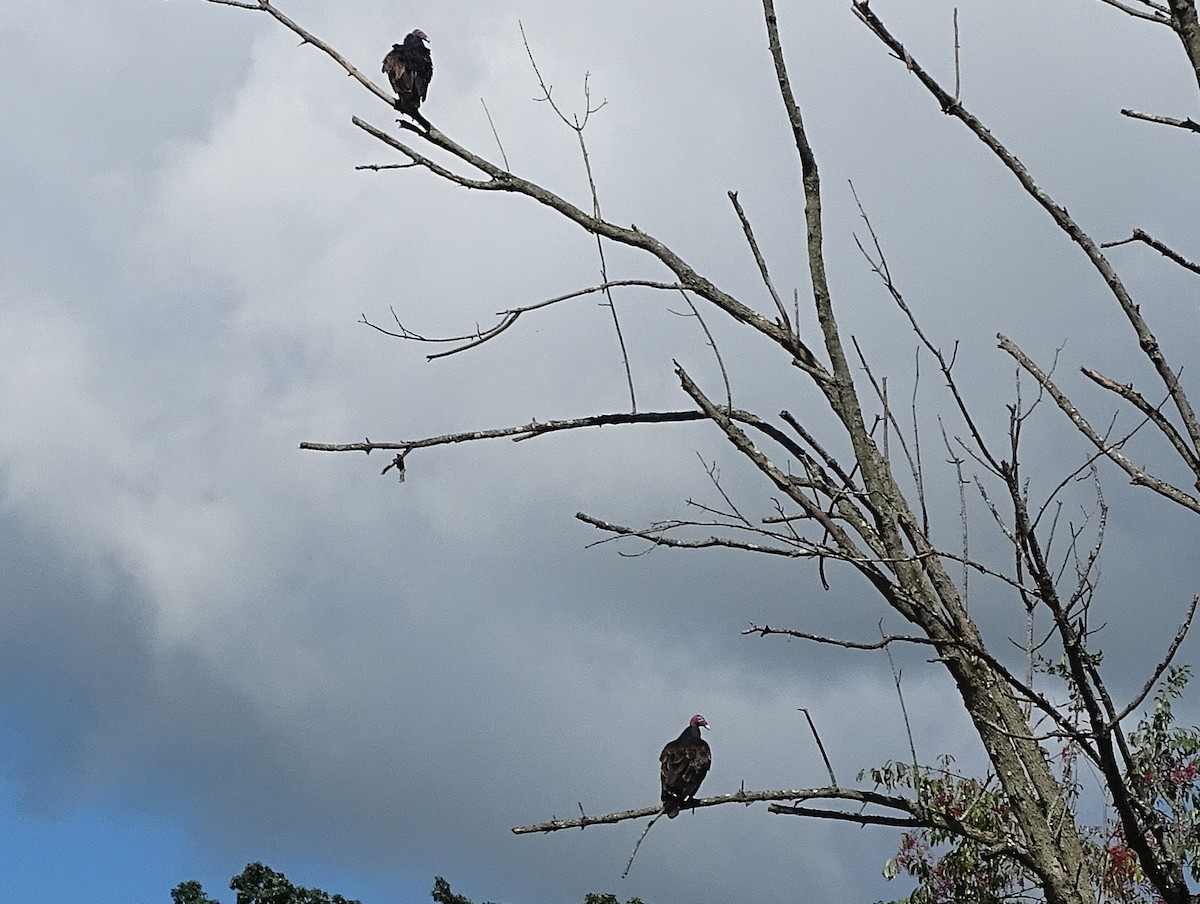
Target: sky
[217,648]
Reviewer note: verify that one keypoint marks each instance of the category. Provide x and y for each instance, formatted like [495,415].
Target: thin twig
[577,125]
[1163,663]
[641,838]
[507,317]
[715,478]
[656,536]
[1153,414]
[957,68]
[712,343]
[957,462]
[916,435]
[784,320]
[881,644]
[376,167]
[912,747]
[889,418]
[495,134]
[833,782]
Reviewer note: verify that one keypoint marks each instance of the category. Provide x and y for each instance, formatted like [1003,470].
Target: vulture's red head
[698,721]
[420,35]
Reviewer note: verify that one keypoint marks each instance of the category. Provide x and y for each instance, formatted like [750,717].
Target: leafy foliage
[190,892]
[1165,774]
[947,866]
[258,884]
[443,894]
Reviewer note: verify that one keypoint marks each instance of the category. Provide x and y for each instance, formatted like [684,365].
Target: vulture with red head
[409,68]
[685,762]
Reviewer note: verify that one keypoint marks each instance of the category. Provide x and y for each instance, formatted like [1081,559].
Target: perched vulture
[685,762]
[409,68]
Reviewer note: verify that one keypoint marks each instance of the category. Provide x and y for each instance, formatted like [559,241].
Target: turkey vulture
[685,762]
[409,68]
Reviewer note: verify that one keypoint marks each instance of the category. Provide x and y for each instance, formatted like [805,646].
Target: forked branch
[509,317]
[500,179]
[1137,475]
[910,810]
[1140,235]
[1147,341]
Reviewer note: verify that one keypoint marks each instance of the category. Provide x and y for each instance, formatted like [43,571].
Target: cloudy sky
[216,648]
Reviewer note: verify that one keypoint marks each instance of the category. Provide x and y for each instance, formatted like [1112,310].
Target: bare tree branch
[912,744]
[915,814]
[738,797]
[1147,341]
[1189,124]
[882,643]
[577,126]
[1141,236]
[1162,665]
[655,535]
[1137,475]
[519,432]
[866,819]
[742,443]
[1153,414]
[502,180]
[509,317]
[308,37]
[1024,688]
[833,782]
[743,797]
[1152,11]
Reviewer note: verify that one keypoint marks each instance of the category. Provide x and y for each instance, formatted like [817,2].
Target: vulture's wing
[397,70]
[683,768]
[423,72]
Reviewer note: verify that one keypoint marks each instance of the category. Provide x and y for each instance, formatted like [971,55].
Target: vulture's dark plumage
[685,762]
[409,68]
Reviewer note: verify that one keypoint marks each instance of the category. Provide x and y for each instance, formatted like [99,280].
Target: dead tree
[865,509]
